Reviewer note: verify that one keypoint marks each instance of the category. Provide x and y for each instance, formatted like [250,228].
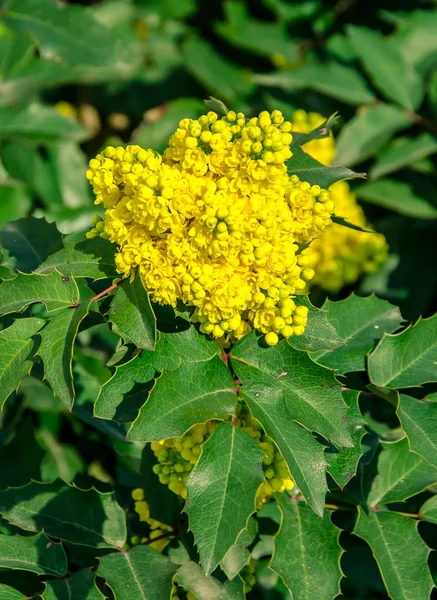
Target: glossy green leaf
[238,556]
[89,258]
[191,577]
[405,573]
[398,196]
[319,333]
[428,511]
[37,554]
[307,552]
[193,393]
[57,341]
[9,593]
[401,474]
[406,359]
[419,421]
[142,573]
[132,316]
[368,131]
[394,77]
[171,350]
[217,74]
[332,79]
[81,586]
[359,323]
[343,462]
[88,518]
[16,353]
[30,241]
[311,170]
[40,124]
[216,106]
[403,155]
[312,394]
[221,492]
[322,131]
[53,290]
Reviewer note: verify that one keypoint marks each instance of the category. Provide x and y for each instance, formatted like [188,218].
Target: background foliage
[76,77]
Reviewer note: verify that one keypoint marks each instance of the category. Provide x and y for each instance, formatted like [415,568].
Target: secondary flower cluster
[178,456]
[340,255]
[215,222]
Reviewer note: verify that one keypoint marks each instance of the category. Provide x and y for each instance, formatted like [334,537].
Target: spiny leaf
[57,341]
[84,517]
[81,586]
[345,223]
[9,593]
[310,170]
[216,105]
[221,492]
[428,511]
[359,323]
[307,552]
[37,554]
[238,555]
[191,577]
[343,463]
[401,474]
[319,333]
[54,290]
[142,573]
[16,353]
[405,573]
[303,455]
[89,258]
[30,241]
[322,131]
[193,393]
[419,421]
[132,316]
[406,359]
[312,394]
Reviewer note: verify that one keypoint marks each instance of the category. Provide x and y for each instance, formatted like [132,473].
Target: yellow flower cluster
[215,222]
[340,255]
[177,457]
[157,529]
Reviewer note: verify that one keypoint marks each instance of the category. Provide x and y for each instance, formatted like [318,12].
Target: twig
[173,533]
[336,507]
[109,289]
[419,120]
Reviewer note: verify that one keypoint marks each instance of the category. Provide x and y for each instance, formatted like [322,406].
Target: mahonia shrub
[213,419]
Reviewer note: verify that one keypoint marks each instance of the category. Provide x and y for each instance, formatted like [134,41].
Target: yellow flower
[340,255]
[215,222]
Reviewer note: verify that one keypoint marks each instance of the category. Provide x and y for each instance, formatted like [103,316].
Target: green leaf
[30,241]
[343,464]
[69,164]
[221,492]
[419,421]
[307,552]
[415,39]
[322,131]
[319,333]
[401,474]
[132,316]
[405,573]
[393,76]
[310,170]
[16,353]
[403,155]
[16,202]
[84,517]
[303,455]
[332,79]
[40,124]
[398,196]
[368,131]
[345,223]
[9,593]
[218,75]
[62,461]
[428,511]
[359,323]
[37,554]
[191,577]
[89,258]
[57,341]
[406,359]
[193,393]
[142,573]
[81,586]
[22,456]
[53,290]
[216,106]
[69,33]
[238,556]
[312,394]
[171,350]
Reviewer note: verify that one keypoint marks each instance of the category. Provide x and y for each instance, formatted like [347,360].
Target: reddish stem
[109,289]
